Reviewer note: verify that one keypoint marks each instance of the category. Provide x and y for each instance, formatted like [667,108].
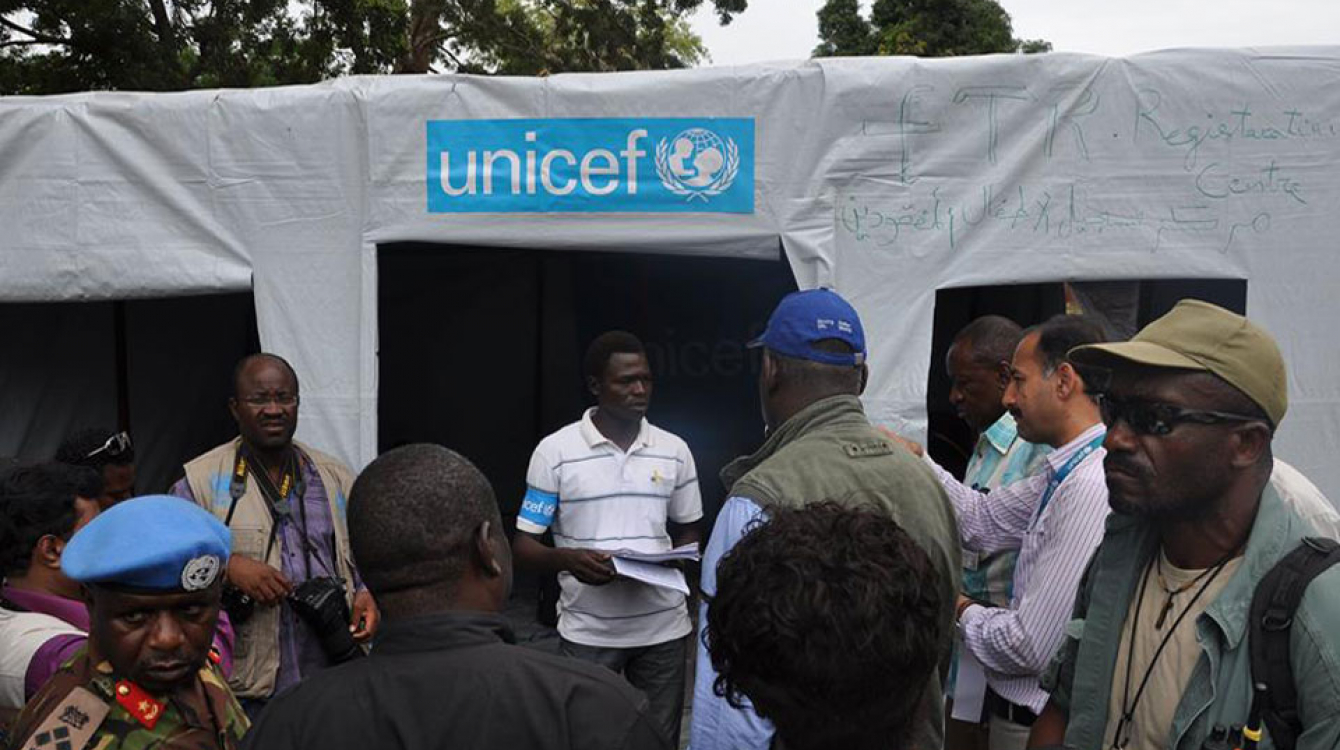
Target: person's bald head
[426,533]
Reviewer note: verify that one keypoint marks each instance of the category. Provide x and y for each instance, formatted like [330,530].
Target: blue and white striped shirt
[593,495]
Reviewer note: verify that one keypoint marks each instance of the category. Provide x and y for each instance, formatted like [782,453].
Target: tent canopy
[885,178]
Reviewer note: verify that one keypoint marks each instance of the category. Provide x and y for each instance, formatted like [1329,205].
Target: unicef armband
[538,508]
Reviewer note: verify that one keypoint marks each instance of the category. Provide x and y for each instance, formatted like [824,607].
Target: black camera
[320,603]
[238,604]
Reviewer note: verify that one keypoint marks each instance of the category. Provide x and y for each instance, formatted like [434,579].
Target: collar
[821,413]
[442,631]
[145,707]
[71,611]
[1274,533]
[593,436]
[1058,458]
[1002,433]
[305,459]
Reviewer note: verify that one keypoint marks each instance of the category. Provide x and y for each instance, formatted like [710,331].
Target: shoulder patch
[867,448]
[138,703]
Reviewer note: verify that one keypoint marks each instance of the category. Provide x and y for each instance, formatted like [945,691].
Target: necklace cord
[1128,712]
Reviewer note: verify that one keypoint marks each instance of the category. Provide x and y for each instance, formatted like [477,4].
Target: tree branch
[167,37]
[453,57]
[21,43]
[36,37]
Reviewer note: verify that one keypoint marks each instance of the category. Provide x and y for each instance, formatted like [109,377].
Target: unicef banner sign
[673,164]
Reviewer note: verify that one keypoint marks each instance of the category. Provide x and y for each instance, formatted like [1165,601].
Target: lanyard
[276,500]
[1063,472]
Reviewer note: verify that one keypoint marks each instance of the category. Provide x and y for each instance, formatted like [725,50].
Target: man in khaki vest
[820,446]
[293,592]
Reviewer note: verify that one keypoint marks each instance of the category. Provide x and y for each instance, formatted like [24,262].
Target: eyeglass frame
[116,445]
[260,400]
[1175,415]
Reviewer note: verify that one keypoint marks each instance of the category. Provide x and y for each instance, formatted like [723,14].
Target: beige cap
[1197,335]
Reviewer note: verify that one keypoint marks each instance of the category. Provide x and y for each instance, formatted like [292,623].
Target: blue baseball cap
[155,543]
[804,317]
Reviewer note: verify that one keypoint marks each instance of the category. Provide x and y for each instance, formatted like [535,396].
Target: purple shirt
[57,649]
[300,653]
[61,648]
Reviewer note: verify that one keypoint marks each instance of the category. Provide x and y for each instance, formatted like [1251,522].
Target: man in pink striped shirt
[1054,518]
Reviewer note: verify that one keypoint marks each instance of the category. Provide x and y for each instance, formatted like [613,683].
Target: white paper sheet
[652,574]
[682,552]
[969,688]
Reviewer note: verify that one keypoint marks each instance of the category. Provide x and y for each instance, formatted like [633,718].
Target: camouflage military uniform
[204,716]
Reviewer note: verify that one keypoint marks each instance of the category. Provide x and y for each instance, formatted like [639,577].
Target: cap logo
[824,323]
[200,573]
[844,326]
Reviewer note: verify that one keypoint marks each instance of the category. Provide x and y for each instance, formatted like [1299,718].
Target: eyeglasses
[1153,418]
[261,400]
[115,446]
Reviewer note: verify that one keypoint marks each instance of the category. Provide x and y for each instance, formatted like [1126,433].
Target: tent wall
[886,178]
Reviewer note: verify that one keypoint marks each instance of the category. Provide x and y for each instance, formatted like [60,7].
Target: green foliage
[52,46]
[55,46]
[537,37]
[925,28]
[843,31]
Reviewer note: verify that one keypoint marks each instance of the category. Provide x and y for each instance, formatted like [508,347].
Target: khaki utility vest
[256,652]
[830,451]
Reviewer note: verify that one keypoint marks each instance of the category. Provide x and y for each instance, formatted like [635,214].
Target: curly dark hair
[829,620]
[38,500]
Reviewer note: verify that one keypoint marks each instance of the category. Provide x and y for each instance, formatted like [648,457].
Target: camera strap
[276,498]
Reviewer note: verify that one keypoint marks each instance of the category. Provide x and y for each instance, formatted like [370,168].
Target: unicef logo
[697,163]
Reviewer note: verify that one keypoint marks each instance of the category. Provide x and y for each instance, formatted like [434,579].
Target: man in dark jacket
[444,672]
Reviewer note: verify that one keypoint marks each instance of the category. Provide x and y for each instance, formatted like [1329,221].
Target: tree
[536,37]
[54,46]
[51,46]
[843,31]
[925,28]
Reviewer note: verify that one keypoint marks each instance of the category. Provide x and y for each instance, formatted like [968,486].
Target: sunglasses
[1153,418]
[115,446]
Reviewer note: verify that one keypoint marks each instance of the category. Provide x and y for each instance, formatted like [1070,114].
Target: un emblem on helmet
[200,573]
[697,163]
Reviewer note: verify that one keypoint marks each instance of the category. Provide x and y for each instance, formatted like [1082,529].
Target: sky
[788,29]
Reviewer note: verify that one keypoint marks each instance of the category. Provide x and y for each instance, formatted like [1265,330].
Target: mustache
[1114,462]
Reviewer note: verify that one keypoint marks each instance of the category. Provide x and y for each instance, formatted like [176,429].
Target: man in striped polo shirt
[606,482]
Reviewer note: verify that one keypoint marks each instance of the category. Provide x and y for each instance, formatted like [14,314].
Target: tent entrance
[1122,307]
[158,368]
[481,349]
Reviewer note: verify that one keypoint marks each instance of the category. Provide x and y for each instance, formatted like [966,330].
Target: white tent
[885,178]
